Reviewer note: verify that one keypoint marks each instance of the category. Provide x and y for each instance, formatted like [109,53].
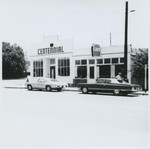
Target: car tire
[48,88]
[29,87]
[116,92]
[84,90]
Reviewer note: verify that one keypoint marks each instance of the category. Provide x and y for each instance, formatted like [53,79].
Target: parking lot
[71,120]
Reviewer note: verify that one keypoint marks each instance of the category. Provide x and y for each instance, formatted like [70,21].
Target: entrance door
[52,72]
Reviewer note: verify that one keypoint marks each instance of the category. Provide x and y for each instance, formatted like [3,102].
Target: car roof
[111,80]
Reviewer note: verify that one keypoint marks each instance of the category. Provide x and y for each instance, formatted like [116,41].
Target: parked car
[109,85]
[44,84]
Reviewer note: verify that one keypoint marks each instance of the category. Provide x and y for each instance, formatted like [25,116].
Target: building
[58,59]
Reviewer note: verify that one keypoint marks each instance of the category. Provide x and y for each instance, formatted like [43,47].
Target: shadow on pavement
[110,94]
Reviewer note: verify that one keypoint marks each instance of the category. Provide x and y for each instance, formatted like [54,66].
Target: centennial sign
[95,50]
[50,50]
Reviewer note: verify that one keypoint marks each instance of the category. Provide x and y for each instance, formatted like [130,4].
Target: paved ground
[71,120]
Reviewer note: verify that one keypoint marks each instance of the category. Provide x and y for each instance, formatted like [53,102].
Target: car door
[100,85]
[40,84]
[107,85]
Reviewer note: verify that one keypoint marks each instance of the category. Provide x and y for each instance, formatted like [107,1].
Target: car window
[54,80]
[41,80]
[108,81]
[101,81]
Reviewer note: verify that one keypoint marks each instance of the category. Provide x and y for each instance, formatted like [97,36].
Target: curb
[75,90]
[70,90]
[16,87]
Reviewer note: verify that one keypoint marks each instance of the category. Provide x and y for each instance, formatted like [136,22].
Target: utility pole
[126,42]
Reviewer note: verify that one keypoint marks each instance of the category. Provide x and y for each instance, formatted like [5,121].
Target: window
[83,62]
[38,69]
[81,71]
[99,61]
[52,61]
[77,62]
[63,67]
[121,60]
[114,60]
[91,61]
[105,71]
[107,60]
[51,44]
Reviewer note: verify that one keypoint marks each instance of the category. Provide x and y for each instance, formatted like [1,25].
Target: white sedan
[44,83]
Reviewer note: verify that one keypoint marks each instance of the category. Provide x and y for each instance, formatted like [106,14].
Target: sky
[25,22]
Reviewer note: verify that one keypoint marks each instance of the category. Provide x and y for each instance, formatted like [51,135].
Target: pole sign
[95,50]
[50,50]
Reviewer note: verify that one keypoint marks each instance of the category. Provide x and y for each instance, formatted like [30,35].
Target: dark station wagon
[109,85]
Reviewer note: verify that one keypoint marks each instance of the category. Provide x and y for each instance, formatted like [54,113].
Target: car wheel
[116,92]
[29,87]
[48,88]
[84,90]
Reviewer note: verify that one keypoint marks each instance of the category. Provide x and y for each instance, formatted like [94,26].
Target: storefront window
[77,62]
[81,71]
[114,60]
[104,71]
[99,61]
[119,68]
[121,60]
[107,60]
[63,67]
[38,69]
[91,61]
[83,62]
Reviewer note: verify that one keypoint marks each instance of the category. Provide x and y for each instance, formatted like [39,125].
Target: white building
[58,59]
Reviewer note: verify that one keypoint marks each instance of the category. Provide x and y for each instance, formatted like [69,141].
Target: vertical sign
[95,50]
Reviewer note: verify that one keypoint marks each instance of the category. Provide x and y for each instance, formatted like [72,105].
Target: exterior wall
[73,67]
[96,66]
[106,52]
[46,66]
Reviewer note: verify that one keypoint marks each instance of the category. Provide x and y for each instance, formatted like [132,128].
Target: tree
[13,65]
[139,59]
